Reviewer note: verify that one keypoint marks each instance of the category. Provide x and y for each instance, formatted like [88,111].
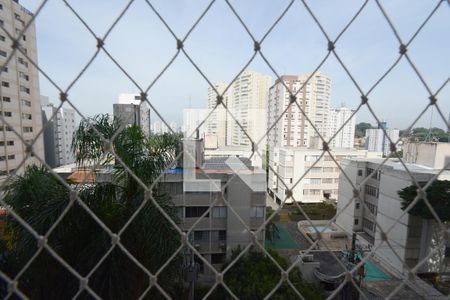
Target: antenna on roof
[429,137]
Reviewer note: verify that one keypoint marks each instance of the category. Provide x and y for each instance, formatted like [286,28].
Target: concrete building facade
[202,182]
[321,181]
[132,111]
[19,92]
[216,124]
[345,138]
[379,206]
[248,104]
[58,133]
[192,118]
[246,99]
[377,140]
[293,130]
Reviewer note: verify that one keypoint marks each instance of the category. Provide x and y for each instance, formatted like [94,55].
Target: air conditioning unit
[222,245]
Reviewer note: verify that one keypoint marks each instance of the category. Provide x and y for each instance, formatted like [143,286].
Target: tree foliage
[438,195]
[420,134]
[39,198]
[254,276]
[360,129]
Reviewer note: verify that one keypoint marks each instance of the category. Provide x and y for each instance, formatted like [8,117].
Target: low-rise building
[289,164]
[236,193]
[379,207]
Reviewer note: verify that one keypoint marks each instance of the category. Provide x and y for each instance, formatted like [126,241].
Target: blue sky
[220,46]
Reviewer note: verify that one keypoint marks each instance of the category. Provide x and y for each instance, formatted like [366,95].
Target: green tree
[438,195]
[360,129]
[40,198]
[254,275]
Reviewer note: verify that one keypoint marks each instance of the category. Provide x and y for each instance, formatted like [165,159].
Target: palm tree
[39,198]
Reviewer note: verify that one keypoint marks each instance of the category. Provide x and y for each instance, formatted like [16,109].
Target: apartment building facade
[378,141]
[248,105]
[132,111]
[60,126]
[19,92]
[321,181]
[379,206]
[345,138]
[246,100]
[293,129]
[204,183]
[216,124]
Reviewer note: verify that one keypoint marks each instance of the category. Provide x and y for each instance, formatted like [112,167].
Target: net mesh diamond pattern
[256,49]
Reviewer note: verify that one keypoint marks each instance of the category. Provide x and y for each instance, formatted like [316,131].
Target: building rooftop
[395,164]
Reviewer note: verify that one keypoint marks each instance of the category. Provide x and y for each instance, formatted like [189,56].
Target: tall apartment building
[377,140]
[58,133]
[345,138]
[321,180]
[131,111]
[198,184]
[248,104]
[246,100]
[379,206]
[293,130]
[192,118]
[19,91]
[216,124]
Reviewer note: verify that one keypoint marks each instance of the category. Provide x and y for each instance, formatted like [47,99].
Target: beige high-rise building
[293,129]
[216,124]
[19,92]
[246,100]
[248,104]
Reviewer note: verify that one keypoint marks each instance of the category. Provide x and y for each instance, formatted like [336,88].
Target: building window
[24,89]
[3,53]
[6,113]
[28,129]
[26,102]
[26,116]
[22,62]
[360,172]
[8,143]
[356,222]
[219,212]
[371,191]
[257,211]
[316,170]
[5,69]
[5,84]
[6,128]
[6,99]
[196,211]
[357,205]
[24,76]
[24,37]
[218,235]
[9,157]
[201,236]
[327,180]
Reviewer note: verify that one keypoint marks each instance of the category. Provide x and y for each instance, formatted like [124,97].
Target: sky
[220,47]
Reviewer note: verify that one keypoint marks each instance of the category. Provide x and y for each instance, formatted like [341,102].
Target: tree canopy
[419,134]
[39,198]
[254,276]
[360,129]
[438,195]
